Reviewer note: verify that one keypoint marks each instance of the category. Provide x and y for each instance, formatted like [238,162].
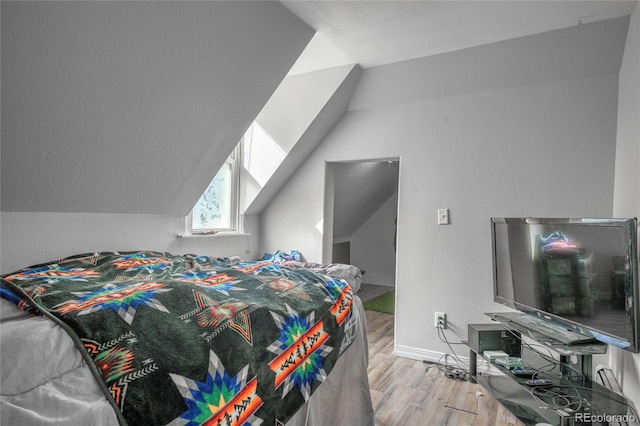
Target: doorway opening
[361,207]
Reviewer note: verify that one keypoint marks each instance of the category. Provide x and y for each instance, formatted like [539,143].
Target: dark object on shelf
[620,280]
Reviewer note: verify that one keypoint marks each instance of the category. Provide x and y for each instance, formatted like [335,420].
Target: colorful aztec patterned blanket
[194,339]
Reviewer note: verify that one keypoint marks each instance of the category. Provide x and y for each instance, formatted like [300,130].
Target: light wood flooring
[371,291]
[409,392]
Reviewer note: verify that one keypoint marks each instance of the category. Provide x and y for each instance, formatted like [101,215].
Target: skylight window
[262,155]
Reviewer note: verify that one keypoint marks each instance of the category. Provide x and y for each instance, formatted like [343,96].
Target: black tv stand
[573,348]
[570,397]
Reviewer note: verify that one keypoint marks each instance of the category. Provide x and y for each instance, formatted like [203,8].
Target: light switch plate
[443,216]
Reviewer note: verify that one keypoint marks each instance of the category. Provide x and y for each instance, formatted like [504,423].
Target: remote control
[524,372]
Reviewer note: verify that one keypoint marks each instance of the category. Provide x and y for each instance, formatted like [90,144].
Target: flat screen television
[581,274]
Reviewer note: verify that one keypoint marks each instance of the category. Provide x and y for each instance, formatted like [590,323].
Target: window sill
[216,235]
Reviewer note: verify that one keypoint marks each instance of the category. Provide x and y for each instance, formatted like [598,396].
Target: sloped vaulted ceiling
[131,107]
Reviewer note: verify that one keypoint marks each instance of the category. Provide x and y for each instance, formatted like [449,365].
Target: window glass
[218,208]
[214,209]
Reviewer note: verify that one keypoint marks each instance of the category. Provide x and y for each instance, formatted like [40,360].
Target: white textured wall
[626,202]
[117,116]
[132,107]
[372,245]
[544,148]
[32,238]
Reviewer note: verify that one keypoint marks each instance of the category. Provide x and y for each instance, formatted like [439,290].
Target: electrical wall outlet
[440,320]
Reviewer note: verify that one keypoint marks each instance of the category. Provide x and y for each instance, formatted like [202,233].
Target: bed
[155,338]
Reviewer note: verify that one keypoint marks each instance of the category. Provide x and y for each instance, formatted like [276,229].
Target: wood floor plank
[409,392]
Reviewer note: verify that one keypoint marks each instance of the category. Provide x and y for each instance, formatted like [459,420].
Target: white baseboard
[417,354]
[434,357]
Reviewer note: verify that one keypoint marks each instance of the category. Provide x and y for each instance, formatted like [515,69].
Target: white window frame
[235,160]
